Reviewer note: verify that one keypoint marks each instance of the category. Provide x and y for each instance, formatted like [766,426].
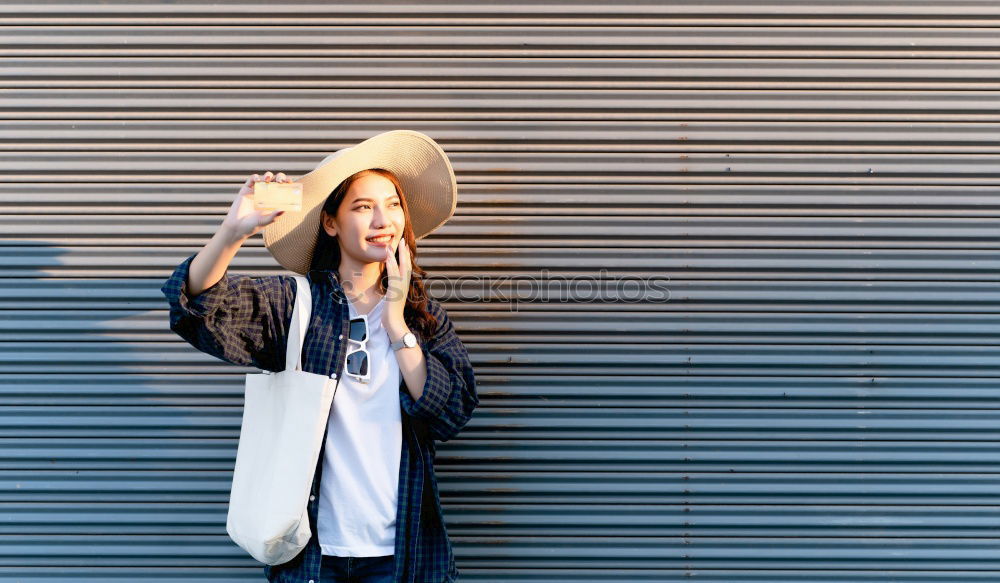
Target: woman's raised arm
[241,223]
[239,319]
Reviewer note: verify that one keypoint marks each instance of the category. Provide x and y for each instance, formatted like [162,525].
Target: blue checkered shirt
[245,321]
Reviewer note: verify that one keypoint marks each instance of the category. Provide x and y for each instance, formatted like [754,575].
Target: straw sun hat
[424,172]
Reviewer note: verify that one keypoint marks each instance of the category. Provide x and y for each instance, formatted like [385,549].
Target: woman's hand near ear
[412,362]
[398,288]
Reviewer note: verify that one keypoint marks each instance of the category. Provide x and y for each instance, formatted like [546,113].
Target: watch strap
[401,342]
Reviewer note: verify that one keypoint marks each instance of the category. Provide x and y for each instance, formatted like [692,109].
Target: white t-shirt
[359,486]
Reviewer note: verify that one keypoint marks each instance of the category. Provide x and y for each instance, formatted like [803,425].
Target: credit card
[286,196]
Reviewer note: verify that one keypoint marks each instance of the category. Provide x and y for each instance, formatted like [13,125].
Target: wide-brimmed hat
[423,170]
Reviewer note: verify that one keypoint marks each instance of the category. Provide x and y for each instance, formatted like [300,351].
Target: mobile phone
[286,196]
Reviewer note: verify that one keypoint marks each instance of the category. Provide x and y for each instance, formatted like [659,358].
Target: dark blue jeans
[356,569]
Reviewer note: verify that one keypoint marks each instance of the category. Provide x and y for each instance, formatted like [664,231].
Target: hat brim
[423,170]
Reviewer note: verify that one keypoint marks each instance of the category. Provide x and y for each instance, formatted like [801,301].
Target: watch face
[409,340]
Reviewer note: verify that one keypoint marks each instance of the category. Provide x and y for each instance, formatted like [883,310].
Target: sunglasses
[358,358]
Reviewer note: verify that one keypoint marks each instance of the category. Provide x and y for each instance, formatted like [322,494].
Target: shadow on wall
[114,426]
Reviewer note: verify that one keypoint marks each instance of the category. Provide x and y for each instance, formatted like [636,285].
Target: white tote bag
[284,420]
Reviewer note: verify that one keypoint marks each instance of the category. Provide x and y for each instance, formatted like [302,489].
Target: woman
[374,507]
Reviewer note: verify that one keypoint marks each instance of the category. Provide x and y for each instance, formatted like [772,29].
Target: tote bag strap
[300,322]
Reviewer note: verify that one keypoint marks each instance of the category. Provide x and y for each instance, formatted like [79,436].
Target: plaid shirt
[245,321]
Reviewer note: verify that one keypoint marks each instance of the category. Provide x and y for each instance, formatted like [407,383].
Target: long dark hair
[326,255]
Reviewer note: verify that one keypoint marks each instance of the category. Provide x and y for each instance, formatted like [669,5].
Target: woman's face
[370,208]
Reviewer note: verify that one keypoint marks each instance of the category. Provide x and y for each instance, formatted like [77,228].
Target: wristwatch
[408,341]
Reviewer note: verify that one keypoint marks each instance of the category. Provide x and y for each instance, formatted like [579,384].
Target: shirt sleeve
[242,320]
[449,395]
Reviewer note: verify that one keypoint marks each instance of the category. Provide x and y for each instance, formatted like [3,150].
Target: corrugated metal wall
[817,401]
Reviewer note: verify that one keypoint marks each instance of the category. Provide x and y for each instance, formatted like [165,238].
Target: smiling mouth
[380,239]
